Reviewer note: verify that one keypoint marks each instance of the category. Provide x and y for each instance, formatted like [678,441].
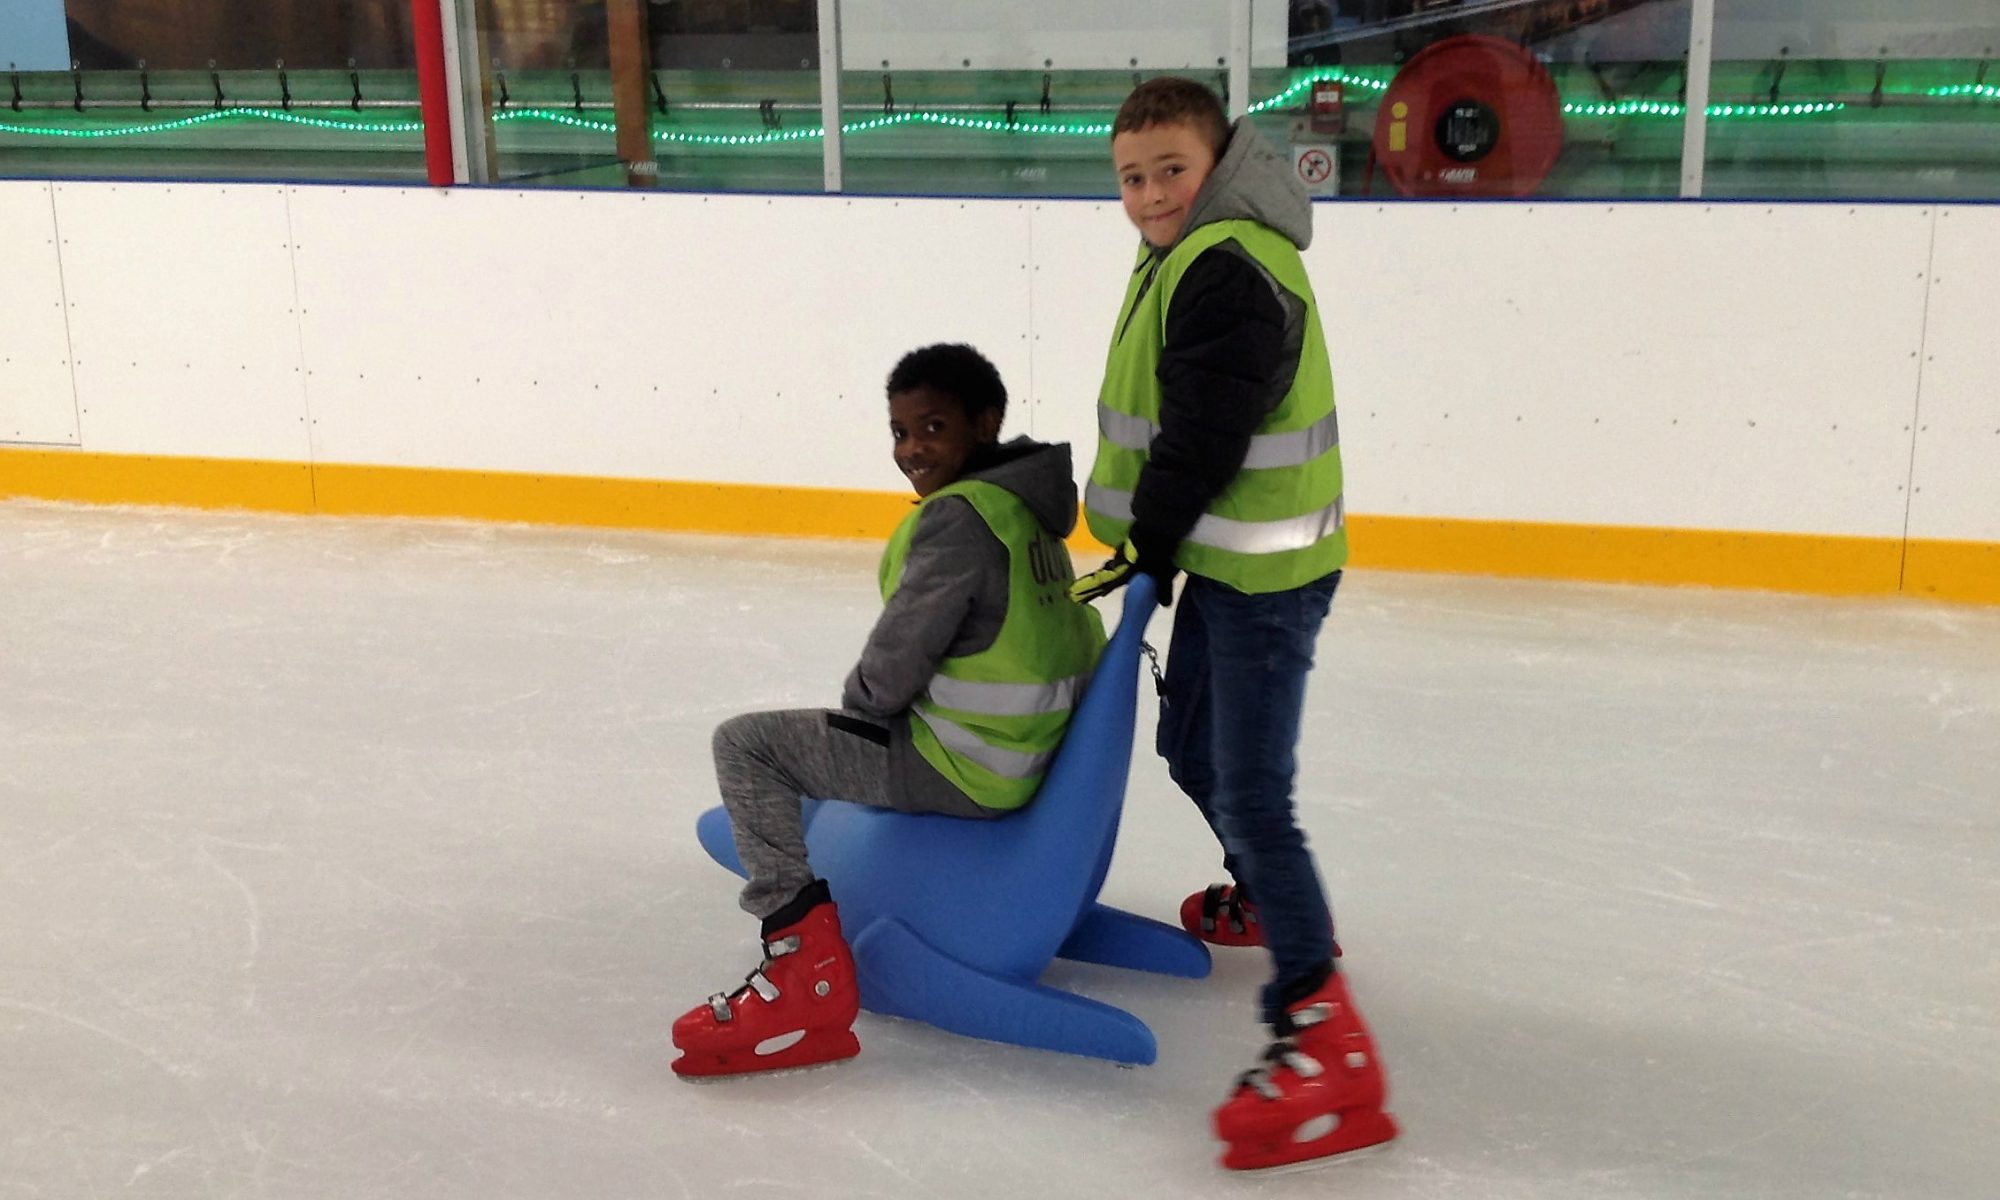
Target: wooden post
[631,91]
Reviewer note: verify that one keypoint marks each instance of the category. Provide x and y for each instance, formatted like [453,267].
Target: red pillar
[428,24]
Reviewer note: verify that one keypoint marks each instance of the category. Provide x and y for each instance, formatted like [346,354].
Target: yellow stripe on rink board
[1964,571]
[341,490]
[150,479]
[1825,565]
[618,503]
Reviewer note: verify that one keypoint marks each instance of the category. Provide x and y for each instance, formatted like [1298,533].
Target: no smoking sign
[1317,169]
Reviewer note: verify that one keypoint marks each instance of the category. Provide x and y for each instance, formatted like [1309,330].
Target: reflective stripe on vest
[990,721]
[1240,537]
[1267,450]
[1279,521]
[1010,764]
[1006,699]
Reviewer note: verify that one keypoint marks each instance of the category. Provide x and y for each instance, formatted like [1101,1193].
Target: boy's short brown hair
[1168,100]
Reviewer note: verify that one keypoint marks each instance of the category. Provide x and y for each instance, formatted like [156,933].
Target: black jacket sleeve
[1231,352]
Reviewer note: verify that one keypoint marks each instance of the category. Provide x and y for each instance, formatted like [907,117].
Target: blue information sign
[33,35]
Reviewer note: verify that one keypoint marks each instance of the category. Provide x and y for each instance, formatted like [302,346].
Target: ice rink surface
[356,859]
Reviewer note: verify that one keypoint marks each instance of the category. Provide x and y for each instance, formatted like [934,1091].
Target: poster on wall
[690,35]
[1638,31]
[187,35]
[32,35]
[1387,31]
[375,34]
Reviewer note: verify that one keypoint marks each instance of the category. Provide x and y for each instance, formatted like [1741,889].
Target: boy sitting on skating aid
[975,604]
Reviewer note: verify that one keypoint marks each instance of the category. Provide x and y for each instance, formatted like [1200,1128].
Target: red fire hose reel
[1469,116]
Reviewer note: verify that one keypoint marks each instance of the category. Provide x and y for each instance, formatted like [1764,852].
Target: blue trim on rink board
[954,921]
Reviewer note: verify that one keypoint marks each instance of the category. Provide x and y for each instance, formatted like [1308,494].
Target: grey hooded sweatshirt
[952,599]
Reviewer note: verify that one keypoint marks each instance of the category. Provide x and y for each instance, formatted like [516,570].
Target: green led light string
[1300,85]
[813,133]
[1663,109]
[1667,108]
[1984,91]
[264,114]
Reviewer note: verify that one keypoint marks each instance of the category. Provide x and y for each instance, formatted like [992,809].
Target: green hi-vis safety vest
[991,722]
[1280,522]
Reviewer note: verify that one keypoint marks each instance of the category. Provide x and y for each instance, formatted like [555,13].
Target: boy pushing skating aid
[1219,456]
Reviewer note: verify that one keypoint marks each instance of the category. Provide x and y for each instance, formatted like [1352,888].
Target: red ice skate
[1221,916]
[795,1010]
[1318,1094]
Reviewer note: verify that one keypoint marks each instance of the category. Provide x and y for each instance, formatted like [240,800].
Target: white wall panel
[1083,256]
[37,394]
[1722,367]
[181,319]
[734,339]
[1957,491]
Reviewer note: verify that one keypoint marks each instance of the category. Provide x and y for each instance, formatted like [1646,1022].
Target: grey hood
[1253,182]
[1040,474]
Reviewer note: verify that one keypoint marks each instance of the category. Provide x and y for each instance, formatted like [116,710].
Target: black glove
[1116,573]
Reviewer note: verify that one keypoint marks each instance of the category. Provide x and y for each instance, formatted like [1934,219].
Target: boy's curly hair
[1170,99]
[956,370]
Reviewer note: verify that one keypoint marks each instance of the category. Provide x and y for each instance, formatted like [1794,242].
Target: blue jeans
[1229,730]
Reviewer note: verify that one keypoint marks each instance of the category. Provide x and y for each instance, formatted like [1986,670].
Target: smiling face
[933,437]
[1160,168]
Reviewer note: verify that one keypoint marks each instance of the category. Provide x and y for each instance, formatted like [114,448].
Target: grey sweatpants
[767,762]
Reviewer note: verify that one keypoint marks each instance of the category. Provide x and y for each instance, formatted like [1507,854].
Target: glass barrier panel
[1900,101]
[1480,98]
[1014,100]
[729,88]
[212,89]
[936,98]
[1382,97]
[985,133]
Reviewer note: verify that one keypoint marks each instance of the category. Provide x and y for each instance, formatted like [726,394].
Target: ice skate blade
[820,1051]
[1324,1162]
[721,1078]
[1363,1136]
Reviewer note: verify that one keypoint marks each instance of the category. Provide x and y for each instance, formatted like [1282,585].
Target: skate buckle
[1280,1052]
[756,980]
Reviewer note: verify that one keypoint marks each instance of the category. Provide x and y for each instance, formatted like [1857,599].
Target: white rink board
[181,319]
[1084,252]
[1957,492]
[741,340]
[1713,367]
[37,394]
[1733,367]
